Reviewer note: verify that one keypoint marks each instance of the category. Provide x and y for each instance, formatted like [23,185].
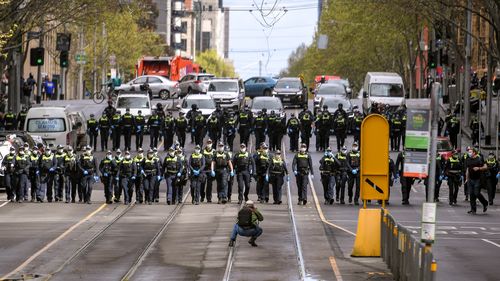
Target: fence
[407,258]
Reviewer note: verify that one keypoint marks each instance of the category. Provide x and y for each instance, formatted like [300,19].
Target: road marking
[160,144]
[52,243]
[320,211]
[491,242]
[4,203]
[336,270]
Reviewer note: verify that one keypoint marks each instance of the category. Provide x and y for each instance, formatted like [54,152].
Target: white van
[135,102]
[383,87]
[55,125]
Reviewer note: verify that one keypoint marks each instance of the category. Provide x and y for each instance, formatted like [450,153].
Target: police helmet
[91,115]
[140,150]
[127,109]
[118,112]
[118,151]
[197,147]
[194,106]
[325,106]
[60,146]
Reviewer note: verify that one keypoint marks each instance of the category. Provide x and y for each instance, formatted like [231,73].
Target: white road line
[4,203]
[491,242]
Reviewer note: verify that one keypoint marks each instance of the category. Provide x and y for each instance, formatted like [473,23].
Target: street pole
[17,86]
[103,66]
[260,67]
[94,71]
[434,131]
[467,63]
[489,89]
[80,91]
[39,70]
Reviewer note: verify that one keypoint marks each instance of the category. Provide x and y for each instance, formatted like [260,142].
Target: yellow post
[367,242]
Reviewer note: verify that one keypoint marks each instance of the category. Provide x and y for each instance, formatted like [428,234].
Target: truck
[173,68]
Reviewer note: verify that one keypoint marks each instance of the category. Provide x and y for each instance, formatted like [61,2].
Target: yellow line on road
[320,211]
[52,243]
[336,270]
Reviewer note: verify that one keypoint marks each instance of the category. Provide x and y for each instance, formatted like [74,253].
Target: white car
[160,86]
[227,92]
[134,102]
[205,104]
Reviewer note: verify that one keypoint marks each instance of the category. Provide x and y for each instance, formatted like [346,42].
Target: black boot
[252,242]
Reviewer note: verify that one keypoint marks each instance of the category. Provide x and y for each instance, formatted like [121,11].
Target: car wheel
[164,94]
[267,93]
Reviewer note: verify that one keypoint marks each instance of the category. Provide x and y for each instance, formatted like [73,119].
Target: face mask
[220,149]
[302,150]
[26,149]
[244,149]
[171,154]
[491,158]
[209,146]
[266,151]
[127,157]
[21,152]
[197,151]
[141,155]
[150,156]
[469,153]
[47,153]
[327,153]
[12,152]
[118,156]
[277,157]
[343,151]
[60,151]
[355,148]
[109,157]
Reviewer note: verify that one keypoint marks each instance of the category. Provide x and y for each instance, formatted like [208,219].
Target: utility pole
[103,66]
[434,130]
[260,67]
[80,92]
[94,71]
[39,70]
[467,64]
[489,89]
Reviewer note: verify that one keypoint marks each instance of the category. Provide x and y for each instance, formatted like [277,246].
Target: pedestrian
[21,118]
[180,180]
[440,176]
[106,168]
[302,168]
[48,87]
[475,167]
[354,163]
[244,165]
[154,124]
[306,120]
[262,161]
[59,173]
[293,128]
[110,110]
[171,168]
[10,120]
[138,181]
[156,194]
[126,175]
[406,182]
[168,129]
[116,130]
[357,122]
[190,116]
[247,224]
[151,169]
[325,120]
[47,171]
[92,131]
[244,121]
[276,173]
[230,179]
[139,124]
[196,166]
[221,165]
[206,187]
[104,126]
[87,166]
[340,125]
[34,174]
[181,126]
[273,130]
[9,174]
[70,174]
[453,170]
[342,174]
[395,131]
[492,177]
[198,125]
[328,169]
[475,125]
[21,170]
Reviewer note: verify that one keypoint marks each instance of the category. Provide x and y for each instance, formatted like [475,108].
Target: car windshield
[270,104]
[331,90]
[386,90]
[334,103]
[342,82]
[223,86]
[444,145]
[46,125]
[133,102]
[288,84]
[201,103]
[205,77]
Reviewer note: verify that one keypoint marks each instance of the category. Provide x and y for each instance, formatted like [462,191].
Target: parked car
[333,104]
[160,86]
[444,147]
[291,90]
[269,103]
[328,90]
[259,86]
[194,83]
[135,102]
[227,92]
[205,104]
[343,82]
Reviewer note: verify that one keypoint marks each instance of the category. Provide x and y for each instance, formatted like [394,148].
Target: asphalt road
[103,242]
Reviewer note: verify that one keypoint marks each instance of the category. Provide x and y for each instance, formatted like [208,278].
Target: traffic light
[37,56]
[64,59]
[432,60]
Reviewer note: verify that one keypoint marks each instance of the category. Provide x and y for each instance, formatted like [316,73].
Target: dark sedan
[291,90]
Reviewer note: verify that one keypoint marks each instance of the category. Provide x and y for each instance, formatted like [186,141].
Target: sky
[247,37]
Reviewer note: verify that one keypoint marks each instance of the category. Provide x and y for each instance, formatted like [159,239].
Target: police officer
[262,161]
[293,127]
[440,176]
[116,129]
[10,121]
[406,182]
[21,118]
[106,167]
[127,172]
[342,174]
[21,169]
[34,174]
[196,166]
[59,173]
[324,129]
[104,126]
[138,182]
[213,128]
[47,170]
[260,126]
[168,129]
[117,186]
[156,194]
[453,128]
[273,127]
[71,175]
[340,125]
[276,174]
[302,167]
[491,176]
[244,121]
[230,131]
[151,169]
[154,124]
[244,165]
[306,120]
[475,125]
[327,168]
[190,116]
[180,180]
[127,125]
[453,170]
[358,120]
[221,163]
[198,124]
[87,166]
[353,162]
[110,110]
[171,168]
[230,179]
[9,175]
[181,126]
[139,123]
[92,131]
[395,129]
[206,187]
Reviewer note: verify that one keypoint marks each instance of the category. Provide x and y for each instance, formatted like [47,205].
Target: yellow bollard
[367,242]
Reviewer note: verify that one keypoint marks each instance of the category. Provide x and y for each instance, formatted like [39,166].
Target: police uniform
[325,120]
[47,170]
[341,177]
[453,170]
[170,168]
[302,166]
[138,182]
[353,160]
[199,124]
[154,123]
[453,128]
[117,186]
[262,162]
[475,126]
[127,124]
[230,131]
[406,182]
[151,169]
[92,131]
[104,126]
[358,120]
[328,168]
[396,127]
[206,187]
[116,130]
[10,121]
[106,168]
[21,118]
[273,131]
[340,127]
[213,128]
[168,129]
[127,172]
[306,120]
[244,125]
[181,180]
[21,169]
[70,172]
[196,166]
[87,165]
[277,171]
[230,179]
[220,164]
[156,193]
[491,177]
[260,127]
[293,127]
[440,162]
[181,125]
[140,123]
[245,166]
[34,175]
[9,175]
[59,175]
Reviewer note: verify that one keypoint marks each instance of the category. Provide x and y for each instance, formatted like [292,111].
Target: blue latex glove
[498,176]
[441,177]
[196,172]
[178,174]
[158,178]
[84,172]
[462,178]
[354,172]
[445,178]
[51,169]
[139,128]
[192,130]
[133,177]
[267,177]
[117,178]
[96,178]
[232,174]
[38,172]
[105,174]
[295,173]
[287,178]
[212,173]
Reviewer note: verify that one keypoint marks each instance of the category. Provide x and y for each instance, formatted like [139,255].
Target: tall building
[213,29]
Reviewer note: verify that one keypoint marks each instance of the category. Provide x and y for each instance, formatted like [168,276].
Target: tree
[215,64]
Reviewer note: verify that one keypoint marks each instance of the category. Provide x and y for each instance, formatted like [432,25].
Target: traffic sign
[81,58]
[374,170]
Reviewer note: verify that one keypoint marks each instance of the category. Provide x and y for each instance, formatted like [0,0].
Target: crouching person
[248,224]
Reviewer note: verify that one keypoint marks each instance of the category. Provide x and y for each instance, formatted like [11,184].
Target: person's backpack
[245,218]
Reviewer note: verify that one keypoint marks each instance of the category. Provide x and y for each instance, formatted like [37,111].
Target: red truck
[173,68]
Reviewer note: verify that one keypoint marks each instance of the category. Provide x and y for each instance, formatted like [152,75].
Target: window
[154,80]
[223,86]
[46,125]
[201,103]
[386,90]
[269,104]
[261,81]
[140,80]
[184,26]
[205,42]
[133,102]
[288,84]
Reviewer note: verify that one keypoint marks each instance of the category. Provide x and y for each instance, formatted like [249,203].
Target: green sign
[81,58]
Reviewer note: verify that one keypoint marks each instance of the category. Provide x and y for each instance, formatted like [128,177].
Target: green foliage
[215,64]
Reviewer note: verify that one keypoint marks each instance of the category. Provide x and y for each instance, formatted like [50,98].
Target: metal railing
[407,257]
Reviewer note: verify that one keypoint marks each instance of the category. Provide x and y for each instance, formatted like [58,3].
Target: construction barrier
[407,257]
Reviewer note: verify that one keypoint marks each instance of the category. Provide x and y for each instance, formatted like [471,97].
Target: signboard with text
[417,143]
